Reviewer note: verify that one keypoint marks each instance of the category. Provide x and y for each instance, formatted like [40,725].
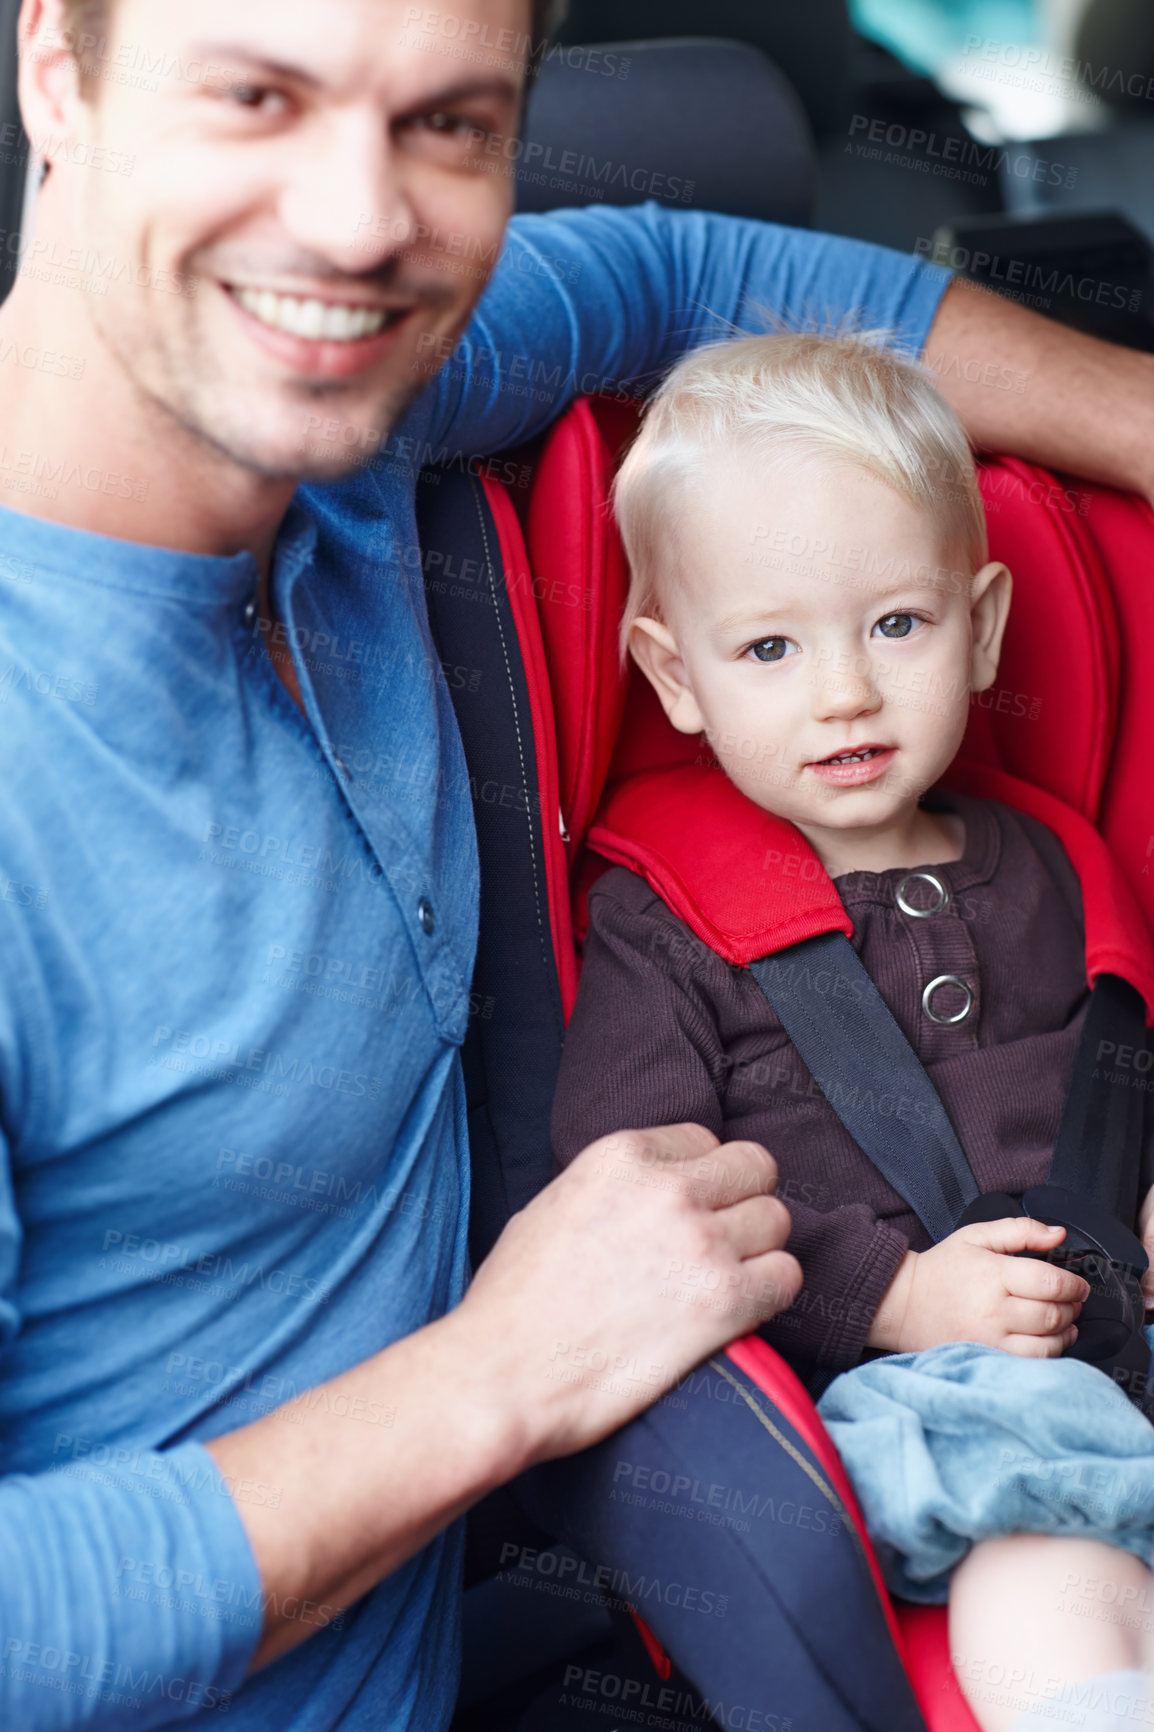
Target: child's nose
[845,687]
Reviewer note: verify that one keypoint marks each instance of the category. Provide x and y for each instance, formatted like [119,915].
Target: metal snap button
[426,916]
[249,612]
[938,906]
[939,981]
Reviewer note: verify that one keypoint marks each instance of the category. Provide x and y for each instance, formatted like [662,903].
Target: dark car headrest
[695,123]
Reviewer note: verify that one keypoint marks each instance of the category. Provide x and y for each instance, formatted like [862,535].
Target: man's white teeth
[317,320]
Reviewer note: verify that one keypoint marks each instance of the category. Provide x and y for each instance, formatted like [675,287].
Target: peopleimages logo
[1041,279]
[951,152]
[637,1590]
[1023,67]
[227,1055]
[625,1698]
[98,1679]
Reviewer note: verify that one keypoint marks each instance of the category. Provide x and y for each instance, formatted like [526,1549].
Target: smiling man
[244,1393]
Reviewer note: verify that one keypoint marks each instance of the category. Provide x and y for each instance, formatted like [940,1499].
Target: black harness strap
[1098,1151]
[859,1057]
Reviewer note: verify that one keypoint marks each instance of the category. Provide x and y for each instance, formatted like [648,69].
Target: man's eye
[449,138]
[442,124]
[769,649]
[258,98]
[896,625]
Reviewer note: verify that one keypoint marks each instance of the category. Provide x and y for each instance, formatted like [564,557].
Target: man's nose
[347,201]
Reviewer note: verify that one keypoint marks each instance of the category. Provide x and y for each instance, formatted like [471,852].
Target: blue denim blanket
[963,1442]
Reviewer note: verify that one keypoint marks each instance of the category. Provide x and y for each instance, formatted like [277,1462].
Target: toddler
[811,591]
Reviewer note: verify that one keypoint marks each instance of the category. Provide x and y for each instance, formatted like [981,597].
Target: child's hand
[1146,1234]
[970,1288]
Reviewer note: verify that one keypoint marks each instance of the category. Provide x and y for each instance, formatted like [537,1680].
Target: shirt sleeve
[644,1049]
[607,299]
[129,1595]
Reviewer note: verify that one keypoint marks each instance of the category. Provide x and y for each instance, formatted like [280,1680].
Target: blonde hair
[794,395]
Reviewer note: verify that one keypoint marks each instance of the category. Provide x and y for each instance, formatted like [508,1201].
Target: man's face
[824,641]
[318,193]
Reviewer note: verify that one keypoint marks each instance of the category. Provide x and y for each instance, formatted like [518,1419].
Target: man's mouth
[314,320]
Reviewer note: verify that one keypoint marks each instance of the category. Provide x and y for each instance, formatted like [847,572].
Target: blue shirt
[236,950]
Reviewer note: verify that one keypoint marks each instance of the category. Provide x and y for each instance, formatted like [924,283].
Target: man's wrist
[502,1431]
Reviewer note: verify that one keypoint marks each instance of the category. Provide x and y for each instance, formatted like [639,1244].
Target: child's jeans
[963,1442]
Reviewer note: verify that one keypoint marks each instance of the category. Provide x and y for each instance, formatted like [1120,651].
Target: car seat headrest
[1050,719]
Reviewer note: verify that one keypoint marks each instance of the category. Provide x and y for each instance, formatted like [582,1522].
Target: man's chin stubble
[335,447]
[333,444]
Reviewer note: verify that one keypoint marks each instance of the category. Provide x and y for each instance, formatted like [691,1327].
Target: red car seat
[1072,715]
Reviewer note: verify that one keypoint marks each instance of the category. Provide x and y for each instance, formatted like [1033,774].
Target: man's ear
[990,594]
[654,648]
[49,80]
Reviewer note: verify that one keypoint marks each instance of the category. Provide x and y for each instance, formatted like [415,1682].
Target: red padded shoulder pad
[749,884]
[745,881]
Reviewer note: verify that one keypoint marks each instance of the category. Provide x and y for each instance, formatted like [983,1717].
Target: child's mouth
[849,769]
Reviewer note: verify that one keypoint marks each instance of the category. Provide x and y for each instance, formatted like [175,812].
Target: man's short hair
[85,21]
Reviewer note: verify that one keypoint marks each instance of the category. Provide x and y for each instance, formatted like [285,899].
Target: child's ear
[654,648]
[990,594]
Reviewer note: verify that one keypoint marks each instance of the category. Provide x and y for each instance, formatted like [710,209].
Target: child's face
[815,615]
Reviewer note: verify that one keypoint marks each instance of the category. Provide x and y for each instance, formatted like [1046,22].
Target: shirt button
[249,612]
[426,916]
[948,999]
[922,904]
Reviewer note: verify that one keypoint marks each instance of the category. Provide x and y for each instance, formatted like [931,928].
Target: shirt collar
[85,556]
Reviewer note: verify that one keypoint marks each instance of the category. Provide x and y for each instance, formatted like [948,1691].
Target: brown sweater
[665,1031]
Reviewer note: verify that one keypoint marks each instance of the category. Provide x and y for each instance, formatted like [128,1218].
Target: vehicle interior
[918,124]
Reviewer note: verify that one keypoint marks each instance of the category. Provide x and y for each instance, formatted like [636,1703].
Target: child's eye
[897,625]
[770,649]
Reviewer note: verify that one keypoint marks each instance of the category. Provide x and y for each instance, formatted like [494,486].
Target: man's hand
[652,1250]
[971,1288]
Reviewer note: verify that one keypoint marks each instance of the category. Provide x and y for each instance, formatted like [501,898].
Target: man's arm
[606,299]
[1085,406]
[189,1565]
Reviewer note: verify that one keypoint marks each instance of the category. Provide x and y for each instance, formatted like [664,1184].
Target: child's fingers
[1038,1317]
[1014,1233]
[1026,1278]
[1145,1216]
[1039,1346]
